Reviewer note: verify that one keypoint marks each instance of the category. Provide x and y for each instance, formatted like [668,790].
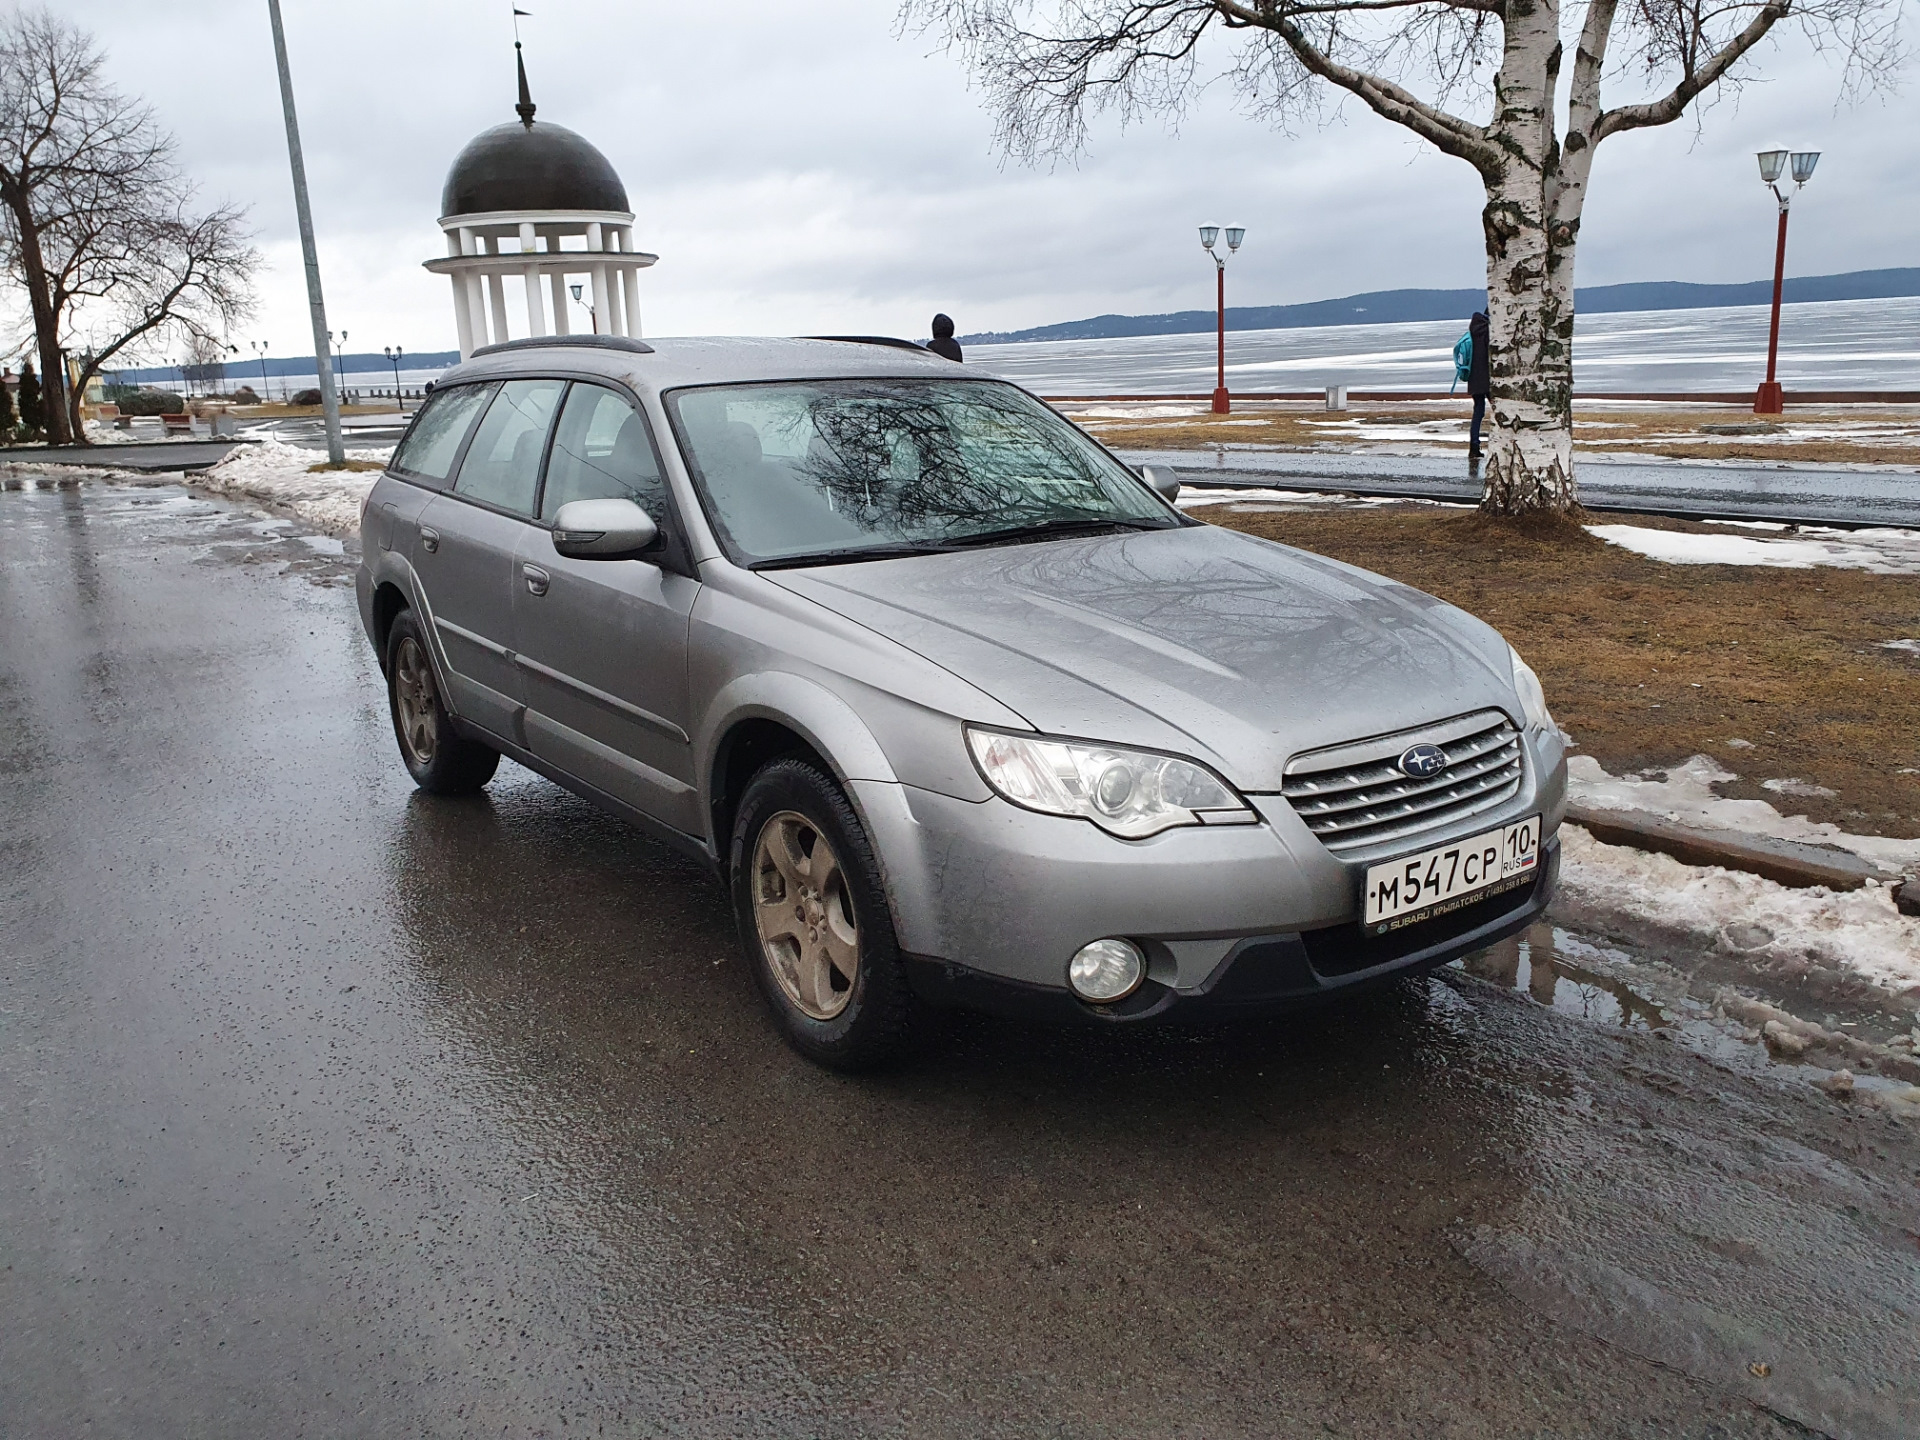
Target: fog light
[1106,971]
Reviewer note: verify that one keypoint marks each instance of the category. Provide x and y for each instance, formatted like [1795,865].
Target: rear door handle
[537,579]
[429,539]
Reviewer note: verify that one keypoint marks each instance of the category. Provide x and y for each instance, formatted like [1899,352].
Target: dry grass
[1647,663]
[347,465]
[1885,435]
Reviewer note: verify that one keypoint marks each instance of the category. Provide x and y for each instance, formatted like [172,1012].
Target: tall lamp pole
[394,353]
[1209,235]
[1769,399]
[323,361]
[339,354]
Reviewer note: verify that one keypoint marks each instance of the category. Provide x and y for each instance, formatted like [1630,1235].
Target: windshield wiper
[1063,526]
[851,554]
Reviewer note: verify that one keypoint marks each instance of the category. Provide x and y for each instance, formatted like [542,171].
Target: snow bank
[1686,797]
[1859,930]
[280,475]
[1883,551]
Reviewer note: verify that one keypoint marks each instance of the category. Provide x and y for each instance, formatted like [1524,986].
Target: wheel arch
[760,718]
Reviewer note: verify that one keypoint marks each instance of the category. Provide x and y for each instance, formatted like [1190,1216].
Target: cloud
[802,169]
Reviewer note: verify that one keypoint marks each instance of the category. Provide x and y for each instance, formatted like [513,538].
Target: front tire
[441,760]
[814,920]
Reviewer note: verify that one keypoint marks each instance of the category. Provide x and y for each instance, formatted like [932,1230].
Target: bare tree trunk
[1529,279]
[46,326]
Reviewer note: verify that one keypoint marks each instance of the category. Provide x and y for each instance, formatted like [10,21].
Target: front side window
[503,462]
[433,444]
[811,471]
[603,450]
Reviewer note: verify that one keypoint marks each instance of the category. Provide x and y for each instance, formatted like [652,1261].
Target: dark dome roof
[534,166]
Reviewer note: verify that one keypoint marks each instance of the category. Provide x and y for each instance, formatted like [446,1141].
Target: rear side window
[434,441]
[503,462]
[603,450]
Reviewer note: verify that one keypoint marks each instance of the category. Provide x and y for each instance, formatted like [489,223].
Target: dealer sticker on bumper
[1447,877]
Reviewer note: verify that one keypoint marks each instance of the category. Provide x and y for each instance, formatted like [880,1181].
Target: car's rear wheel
[440,759]
[814,919]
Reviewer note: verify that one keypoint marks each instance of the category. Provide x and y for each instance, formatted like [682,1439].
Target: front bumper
[995,899]
[1260,974]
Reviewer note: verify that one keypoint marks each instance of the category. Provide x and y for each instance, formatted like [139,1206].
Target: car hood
[1201,640]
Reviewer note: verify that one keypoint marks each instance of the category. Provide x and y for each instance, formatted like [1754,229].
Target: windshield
[820,470]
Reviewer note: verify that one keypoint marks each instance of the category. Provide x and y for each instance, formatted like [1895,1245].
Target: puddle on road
[1540,963]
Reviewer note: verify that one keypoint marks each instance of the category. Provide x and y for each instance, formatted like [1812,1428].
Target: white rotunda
[525,201]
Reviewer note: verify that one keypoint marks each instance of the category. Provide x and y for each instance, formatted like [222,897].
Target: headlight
[1131,793]
[1533,700]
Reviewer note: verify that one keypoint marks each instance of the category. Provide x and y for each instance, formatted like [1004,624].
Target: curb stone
[1786,862]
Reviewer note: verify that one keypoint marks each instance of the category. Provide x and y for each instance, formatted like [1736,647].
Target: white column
[536,312]
[616,290]
[598,275]
[462,316]
[497,292]
[471,291]
[630,294]
[630,281]
[559,283]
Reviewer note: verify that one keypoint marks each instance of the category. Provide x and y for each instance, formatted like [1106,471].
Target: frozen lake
[1824,345]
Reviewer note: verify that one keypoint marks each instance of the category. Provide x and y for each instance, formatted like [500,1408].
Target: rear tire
[441,760]
[814,920]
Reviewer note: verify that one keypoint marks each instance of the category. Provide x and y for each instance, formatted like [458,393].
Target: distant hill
[1381,307]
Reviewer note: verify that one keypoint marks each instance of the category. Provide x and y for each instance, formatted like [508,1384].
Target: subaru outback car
[964,710]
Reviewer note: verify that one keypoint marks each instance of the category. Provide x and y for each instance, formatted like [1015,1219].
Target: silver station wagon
[963,709]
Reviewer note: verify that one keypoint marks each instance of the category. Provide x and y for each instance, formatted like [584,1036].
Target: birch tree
[100,227]
[1486,81]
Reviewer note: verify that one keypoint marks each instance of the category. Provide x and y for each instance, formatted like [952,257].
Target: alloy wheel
[413,700]
[804,915]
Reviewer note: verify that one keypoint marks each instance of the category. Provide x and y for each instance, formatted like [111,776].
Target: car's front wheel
[814,919]
[440,759]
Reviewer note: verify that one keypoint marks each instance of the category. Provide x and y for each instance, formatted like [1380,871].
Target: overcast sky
[800,169]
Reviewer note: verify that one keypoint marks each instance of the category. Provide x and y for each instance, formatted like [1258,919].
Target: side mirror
[1162,481]
[603,530]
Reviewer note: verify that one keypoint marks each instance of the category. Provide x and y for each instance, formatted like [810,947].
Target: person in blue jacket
[1479,379]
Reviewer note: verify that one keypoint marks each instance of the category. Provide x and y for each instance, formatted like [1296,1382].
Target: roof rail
[870,340]
[591,342]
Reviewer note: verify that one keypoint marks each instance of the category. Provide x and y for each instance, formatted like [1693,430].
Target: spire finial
[526,107]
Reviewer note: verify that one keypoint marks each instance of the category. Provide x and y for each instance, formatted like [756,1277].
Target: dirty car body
[1055,728]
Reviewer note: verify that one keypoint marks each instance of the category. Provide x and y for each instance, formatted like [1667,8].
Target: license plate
[1434,882]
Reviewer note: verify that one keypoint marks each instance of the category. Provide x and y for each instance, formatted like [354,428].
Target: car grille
[1355,798]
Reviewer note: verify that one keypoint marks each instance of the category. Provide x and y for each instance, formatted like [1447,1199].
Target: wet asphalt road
[329,1108]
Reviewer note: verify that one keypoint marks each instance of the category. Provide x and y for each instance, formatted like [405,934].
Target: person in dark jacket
[943,342]
[1479,379]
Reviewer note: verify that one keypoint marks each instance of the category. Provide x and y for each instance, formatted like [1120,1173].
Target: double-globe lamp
[1209,237]
[1769,399]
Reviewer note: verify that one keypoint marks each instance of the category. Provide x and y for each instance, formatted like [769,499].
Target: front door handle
[537,579]
[429,539]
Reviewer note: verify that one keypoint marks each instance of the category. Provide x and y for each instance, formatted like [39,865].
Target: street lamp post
[1209,235]
[339,346]
[593,320]
[394,352]
[260,350]
[1769,400]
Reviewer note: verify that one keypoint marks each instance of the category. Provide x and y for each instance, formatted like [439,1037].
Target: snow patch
[1248,498]
[1882,551]
[279,474]
[1686,797]
[1859,930]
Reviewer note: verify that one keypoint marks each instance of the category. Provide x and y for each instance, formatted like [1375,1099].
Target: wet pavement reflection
[335,1108]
